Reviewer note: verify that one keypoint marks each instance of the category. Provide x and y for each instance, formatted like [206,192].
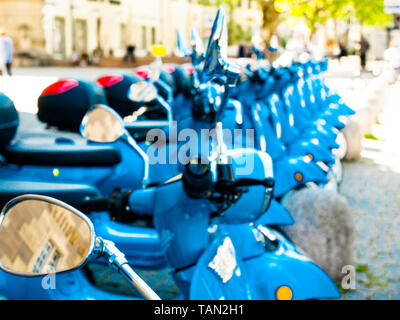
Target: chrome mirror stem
[166,106]
[117,260]
[129,140]
[156,70]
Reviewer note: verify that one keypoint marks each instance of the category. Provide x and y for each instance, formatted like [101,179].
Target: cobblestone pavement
[371,187]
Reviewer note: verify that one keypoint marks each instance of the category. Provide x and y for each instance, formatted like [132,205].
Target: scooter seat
[46,150]
[73,194]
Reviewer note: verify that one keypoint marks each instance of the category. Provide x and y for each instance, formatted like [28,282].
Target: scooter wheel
[354,135]
[324,227]
[342,142]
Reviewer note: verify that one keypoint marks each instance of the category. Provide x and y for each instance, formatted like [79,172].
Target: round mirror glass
[183,45]
[38,237]
[197,43]
[102,124]
[142,92]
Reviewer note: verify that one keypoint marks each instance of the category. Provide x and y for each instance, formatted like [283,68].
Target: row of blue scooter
[209,209]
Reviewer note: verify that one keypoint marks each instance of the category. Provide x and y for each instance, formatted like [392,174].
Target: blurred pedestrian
[242,51]
[342,51]
[6,54]
[364,47]
[96,56]
[85,59]
[130,54]
[74,57]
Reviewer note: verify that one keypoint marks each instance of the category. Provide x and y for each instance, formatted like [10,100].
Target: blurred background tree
[235,31]
[317,12]
[271,17]
[371,13]
[314,13]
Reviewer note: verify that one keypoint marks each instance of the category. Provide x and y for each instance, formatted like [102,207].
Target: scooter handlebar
[118,204]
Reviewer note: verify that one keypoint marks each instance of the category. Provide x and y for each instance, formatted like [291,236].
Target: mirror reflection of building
[40,237]
[103,126]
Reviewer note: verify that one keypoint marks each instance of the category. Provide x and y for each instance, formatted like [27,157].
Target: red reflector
[169,69]
[143,73]
[108,81]
[189,69]
[60,87]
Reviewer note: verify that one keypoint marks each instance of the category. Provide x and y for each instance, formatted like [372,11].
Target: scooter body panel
[220,274]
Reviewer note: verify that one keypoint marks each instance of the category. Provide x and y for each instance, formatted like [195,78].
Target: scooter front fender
[339,104]
[286,267]
[291,173]
[328,140]
[276,215]
[315,152]
[333,119]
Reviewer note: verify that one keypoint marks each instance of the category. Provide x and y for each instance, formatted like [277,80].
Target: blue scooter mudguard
[316,152]
[287,267]
[291,173]
[324,137]
[334,98]
[332,118]
[270,266]
[276,215]
[140,245]
[220,274]
[65,286]
[342,108]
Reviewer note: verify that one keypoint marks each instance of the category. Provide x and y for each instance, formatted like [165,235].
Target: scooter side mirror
[197,46]
[216,53]
[216,65]
[40,235]
[102,124]
[142,92]
[183,45]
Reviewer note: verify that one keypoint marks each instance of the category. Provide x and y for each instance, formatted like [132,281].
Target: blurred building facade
[60,27]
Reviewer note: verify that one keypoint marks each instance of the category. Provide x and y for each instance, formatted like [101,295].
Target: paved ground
[371,185]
